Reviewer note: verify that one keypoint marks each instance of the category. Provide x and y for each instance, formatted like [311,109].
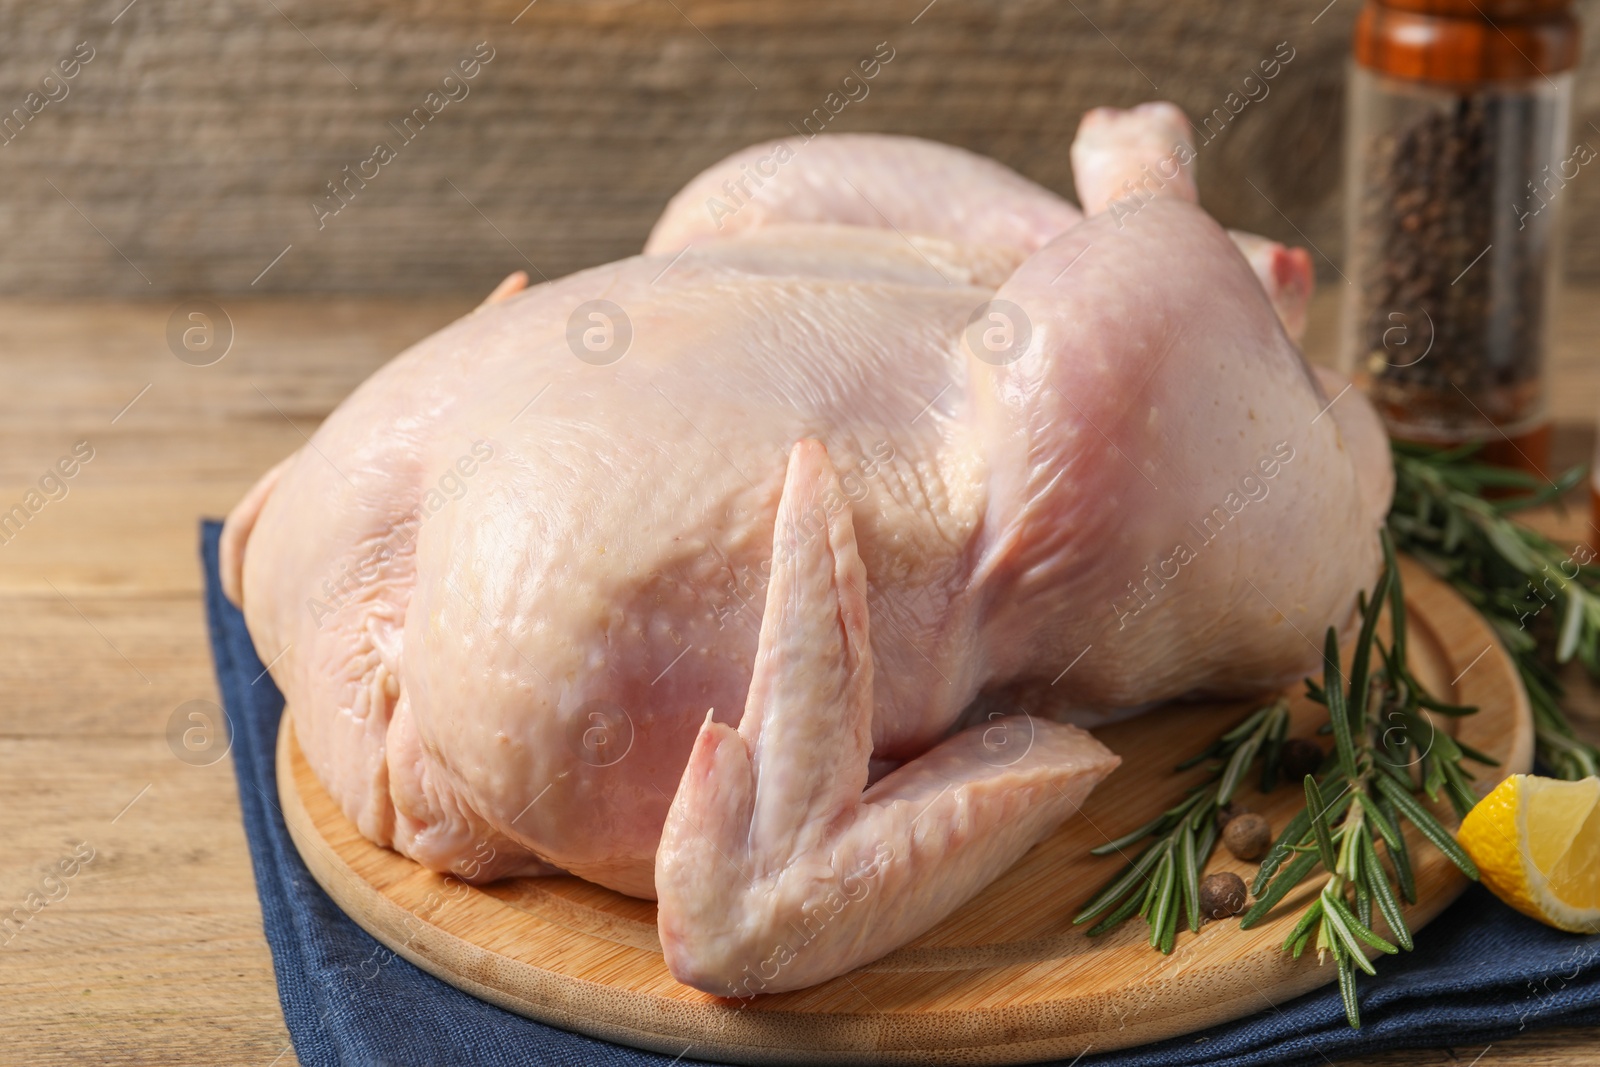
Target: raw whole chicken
[763,574]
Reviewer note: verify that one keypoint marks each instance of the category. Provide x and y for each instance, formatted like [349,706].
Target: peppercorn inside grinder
[1457,158]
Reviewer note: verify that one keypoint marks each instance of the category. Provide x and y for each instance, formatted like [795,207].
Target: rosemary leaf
[1299,944]
[1359,930]
[1292,876]
[1319,824]
[1361,662]
[1169,930]
[1337,918]
[1116,918]
[1132,837]
[1385,827]
[1272,755]
[1234,772]
[1571,628]
[1404,878]
[1347,993]
[1248,726]
[1293,835]
[1455,711]
[1163,906]
[1190,871]
[1338,714]
[1208,839]
[1462,798]
[1302,929]
[1397,600]
[1159,899]
[1383,896]
[1431,828]
[1122,884]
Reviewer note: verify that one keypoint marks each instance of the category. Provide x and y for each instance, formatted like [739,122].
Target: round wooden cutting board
[1005,979]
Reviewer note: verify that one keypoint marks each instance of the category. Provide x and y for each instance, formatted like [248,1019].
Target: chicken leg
[1124,159]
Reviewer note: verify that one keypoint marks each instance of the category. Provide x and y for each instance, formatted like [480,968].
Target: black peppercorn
[1247,836]
[1299,758]
[1222,895]
[1433,201]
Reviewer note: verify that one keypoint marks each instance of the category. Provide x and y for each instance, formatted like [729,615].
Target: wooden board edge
[452,960]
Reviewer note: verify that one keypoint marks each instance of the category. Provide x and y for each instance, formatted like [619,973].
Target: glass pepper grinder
[1458,157]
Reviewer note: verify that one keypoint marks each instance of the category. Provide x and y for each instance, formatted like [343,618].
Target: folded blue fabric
[1481,972]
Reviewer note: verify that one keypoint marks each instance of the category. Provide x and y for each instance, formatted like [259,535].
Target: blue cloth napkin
[1481,972]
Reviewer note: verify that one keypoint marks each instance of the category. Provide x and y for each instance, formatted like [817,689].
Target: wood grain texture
[1005,979]
[156,955]
[189,150]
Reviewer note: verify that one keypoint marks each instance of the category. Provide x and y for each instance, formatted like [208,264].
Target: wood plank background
[188,151]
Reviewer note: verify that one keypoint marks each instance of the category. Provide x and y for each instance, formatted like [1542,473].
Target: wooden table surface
[152,953]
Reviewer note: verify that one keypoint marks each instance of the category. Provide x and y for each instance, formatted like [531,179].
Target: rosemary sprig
[1510,573]
[1453,514]
[1164,879]
[1387,750]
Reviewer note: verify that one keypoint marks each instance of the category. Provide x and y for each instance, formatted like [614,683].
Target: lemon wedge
[1536,842]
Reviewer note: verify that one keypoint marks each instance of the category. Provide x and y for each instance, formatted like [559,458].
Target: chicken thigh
[718,575]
